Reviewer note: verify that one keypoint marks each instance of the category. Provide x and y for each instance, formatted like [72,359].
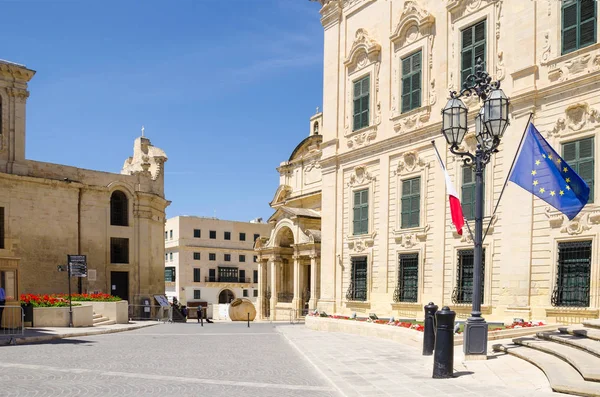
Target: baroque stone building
[48,211]
[388,246]
[211,260]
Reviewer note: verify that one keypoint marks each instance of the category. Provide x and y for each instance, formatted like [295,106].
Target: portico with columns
[289,260]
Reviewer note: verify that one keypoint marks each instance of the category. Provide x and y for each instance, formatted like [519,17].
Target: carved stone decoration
[360,176]
[409,162]
[361,244]
[466,236]
[596,62]
[412,122]
[581,223]
[555,218]
[362,42]
[469,143]
[500,69]
[546,48]
[413,21]
[410,239]
[361,139]
[576,118]
[564,70]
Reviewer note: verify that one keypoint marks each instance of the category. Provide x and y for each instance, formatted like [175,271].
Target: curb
[315,366]
[47,338]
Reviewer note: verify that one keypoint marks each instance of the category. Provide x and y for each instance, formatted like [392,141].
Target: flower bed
[62,300]
[418,325]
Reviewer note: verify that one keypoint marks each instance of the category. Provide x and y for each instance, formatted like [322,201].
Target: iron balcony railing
[209,279]
[405,294]
[285,297]
[464,294]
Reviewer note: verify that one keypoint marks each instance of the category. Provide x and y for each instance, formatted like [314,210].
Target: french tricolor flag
[455,208]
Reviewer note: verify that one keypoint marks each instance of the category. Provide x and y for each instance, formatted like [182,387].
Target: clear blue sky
[225,87]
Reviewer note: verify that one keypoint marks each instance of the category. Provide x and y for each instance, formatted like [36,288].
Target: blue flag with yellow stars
[541,171]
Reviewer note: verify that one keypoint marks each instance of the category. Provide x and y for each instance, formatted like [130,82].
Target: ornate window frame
[420,251]
[563,67]
[487,277]
[594,271]
[411,165]
[580,121]
[462,15]
[364,58]
[360,179]
[369,255]
[413,33]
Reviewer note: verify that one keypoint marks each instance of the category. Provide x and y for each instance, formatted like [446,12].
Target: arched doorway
[226,296]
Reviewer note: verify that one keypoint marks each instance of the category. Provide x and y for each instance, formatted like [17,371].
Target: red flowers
[61,300]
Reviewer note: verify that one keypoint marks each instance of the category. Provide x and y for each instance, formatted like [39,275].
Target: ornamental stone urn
[240,308]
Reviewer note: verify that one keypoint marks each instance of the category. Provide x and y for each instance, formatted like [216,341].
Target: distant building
[48,211]
[211,260]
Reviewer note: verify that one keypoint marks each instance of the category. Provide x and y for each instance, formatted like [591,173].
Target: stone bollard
[443,359]
[429,331]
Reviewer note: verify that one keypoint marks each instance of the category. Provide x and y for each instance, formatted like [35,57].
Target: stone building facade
[211,260]
[48,211]
[388,245]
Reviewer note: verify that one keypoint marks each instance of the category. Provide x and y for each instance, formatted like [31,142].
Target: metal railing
[244,280]
[571,296]
[150,313]
[12,321]
[464,294]
[405,294]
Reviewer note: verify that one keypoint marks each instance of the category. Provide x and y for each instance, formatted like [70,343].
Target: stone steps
[590,333]
[589,345]
[100,320]
[582,361]
[570,358]
[562,376]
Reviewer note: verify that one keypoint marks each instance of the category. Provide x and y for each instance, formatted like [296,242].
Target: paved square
[220,359]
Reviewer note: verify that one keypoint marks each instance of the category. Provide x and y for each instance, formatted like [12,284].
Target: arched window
[226,296]
[316,128]
[118,209]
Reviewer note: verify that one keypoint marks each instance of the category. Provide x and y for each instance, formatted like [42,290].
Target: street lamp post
[490,124]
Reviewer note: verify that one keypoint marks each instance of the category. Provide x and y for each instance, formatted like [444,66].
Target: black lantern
[495,113]
[484,138]
[454,121]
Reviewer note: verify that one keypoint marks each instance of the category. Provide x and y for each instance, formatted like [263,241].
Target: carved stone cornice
[16,71]
[19,94]
[412,121]
[362,43]
[331,12]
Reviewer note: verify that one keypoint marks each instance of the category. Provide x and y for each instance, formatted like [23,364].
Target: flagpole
[508,176]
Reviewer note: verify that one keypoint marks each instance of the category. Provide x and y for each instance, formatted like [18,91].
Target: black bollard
[201,318]
[443,359]
[429,331]
[248,320]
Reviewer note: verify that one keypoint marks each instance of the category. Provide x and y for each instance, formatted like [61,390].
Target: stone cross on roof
[142,130]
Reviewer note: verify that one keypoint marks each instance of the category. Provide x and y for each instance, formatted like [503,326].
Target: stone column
[274,284]
[312,304]
[261,291]
[296,302]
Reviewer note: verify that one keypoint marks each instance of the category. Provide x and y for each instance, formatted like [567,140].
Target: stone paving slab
[363,366]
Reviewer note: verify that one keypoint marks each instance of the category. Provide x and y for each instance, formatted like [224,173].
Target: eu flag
[541,171]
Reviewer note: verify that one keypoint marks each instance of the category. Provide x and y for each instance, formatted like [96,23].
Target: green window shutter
[410,204]
[411,82]
[468,192]
[360,220]
[578,24]
[580,157]
[361,103]
[196,275]
[473,47]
